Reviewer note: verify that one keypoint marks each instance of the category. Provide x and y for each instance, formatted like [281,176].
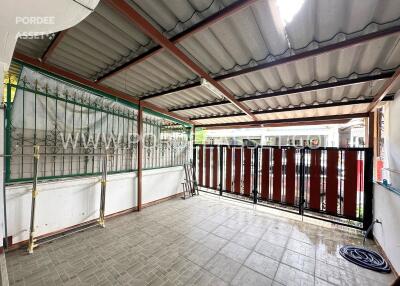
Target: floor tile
[245,240]
[214,242]
[299,261]
[200,254]
[235,251]
[289,276]
[301,247]
[187,242]
[224,232]
[270,250]
[246,277]
[275,238]
[223,267]
[262,264]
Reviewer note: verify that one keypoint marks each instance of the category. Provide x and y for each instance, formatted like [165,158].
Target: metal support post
[140,157]
[368,190]
[31,243]
[103,192]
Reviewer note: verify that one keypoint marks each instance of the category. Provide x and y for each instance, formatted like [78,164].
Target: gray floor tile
[194,242]
[247,277]
[289,276]
[223,267]
[299,261]
[235,251]
[270,250]
[262,264]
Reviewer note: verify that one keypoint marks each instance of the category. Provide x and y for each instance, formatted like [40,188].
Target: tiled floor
[199,241]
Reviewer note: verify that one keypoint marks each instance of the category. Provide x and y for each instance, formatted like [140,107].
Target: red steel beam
[53,45]
[303,55]
[308,88]
[297,108]
[125,9]
[383,91]
[88,83]
[331,119]
[202,25]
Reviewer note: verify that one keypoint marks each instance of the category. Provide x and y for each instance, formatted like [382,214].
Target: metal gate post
[302,180]
[368,187]
[8,134]
[31,243]
[221,158]
[255,178]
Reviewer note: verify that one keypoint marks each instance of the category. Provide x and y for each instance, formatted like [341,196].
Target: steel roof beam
[88,83]
[307,88]
[285,122]
[288,109]
[302,55]
[383,91]
[125,9]
[53,45]
[203,24]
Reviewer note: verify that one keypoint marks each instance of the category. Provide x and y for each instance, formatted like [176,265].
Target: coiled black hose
[365,258]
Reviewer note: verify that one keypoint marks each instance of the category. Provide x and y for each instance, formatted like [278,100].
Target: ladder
[190,184]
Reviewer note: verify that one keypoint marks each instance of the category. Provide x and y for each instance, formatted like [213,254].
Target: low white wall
[62,204]
[387,210]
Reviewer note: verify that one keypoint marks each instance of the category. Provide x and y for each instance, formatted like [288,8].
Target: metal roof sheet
[254,35]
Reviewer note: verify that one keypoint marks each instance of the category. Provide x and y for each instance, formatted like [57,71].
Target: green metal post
[8,132]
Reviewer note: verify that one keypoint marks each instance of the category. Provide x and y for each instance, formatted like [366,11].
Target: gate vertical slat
[277,183]
[247,172]
[350,184]
[315,180]
[201,161]
[290,175]
[215,168]
[207,168]
[238,170]
[332,181]
[228,170]
[265,174]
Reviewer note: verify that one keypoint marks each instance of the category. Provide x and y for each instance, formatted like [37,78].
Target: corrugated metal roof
[327,111]
[158,73]
[255,35]
[33,47]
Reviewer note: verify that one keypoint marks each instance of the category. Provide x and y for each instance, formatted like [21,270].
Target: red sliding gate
[332,184]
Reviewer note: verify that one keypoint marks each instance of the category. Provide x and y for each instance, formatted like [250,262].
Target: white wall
[387,210]
[387,203]
[70,202]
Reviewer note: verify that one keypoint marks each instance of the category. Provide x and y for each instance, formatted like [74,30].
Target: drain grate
[365,258]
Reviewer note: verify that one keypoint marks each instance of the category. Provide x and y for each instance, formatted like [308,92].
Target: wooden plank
[247,172]
[277,179]
[332,181]
[215,168]
[228,170]
[350,184]
[238,170]
[315,180]
[265,164]
[290,175]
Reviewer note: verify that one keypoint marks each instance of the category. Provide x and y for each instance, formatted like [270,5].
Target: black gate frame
[300,209]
